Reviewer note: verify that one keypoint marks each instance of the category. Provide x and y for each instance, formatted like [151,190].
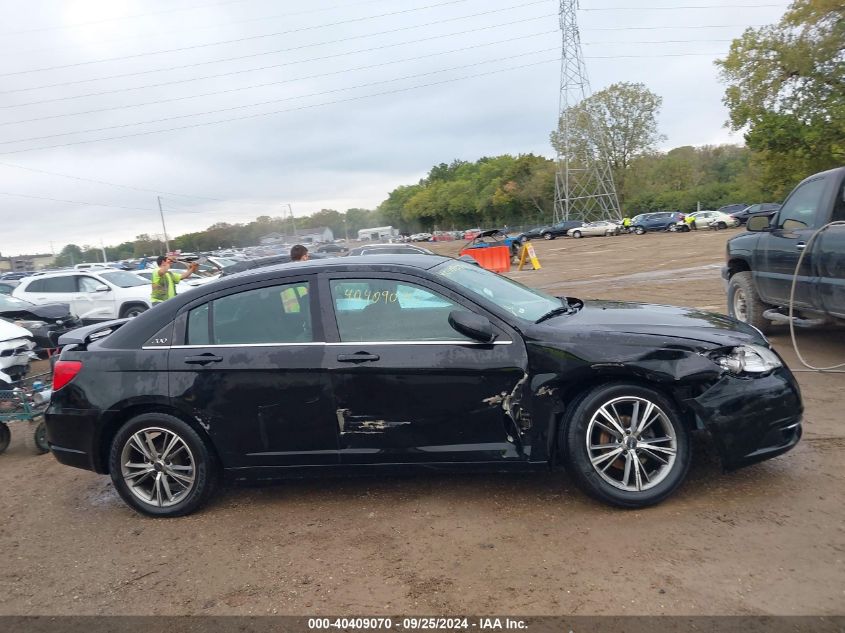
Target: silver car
[593,229]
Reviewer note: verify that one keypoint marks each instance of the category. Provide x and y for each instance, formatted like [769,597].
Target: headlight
[30,325]
[747,359]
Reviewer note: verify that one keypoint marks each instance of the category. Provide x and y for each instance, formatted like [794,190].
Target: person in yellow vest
[164,281]
[690,222]
[291,296]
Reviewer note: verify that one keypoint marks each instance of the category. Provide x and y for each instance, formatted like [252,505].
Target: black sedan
[46,322]
[550,232]
[658,221]
[365,364]
[767,209]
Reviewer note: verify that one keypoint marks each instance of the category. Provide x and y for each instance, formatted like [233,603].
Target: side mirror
[473,325]
[757,223]
[102,288]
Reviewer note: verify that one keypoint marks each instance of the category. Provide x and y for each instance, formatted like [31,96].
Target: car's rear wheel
[720,226]
[576,234]
[639,230]
[744,303]
[161,466]
[548,236]
[626,445]
[131,311]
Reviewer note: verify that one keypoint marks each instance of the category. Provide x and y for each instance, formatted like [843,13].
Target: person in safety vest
[164,281]
[291,296]
[690,221]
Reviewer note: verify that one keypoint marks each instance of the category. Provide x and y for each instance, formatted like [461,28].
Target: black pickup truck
[761,262]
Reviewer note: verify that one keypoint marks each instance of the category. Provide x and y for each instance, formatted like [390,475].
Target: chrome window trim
[473,343]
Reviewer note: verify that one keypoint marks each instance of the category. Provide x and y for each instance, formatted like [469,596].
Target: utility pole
[103,248]
[292,221]
[163,228]
[584,187]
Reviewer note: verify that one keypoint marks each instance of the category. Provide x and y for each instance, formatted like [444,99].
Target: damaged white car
[15,346]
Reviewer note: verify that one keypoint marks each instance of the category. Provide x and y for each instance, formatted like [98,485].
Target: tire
[194,461]
[577,235]
[685,229]
[638,230]
[660,472]
[5,437]
[132,310]
[36,436]
[744,303]
[721,226]
[548,236]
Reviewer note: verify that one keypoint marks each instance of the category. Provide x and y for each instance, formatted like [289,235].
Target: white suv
[93,295]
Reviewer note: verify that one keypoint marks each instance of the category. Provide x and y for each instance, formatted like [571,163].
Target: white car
[93,295]
[711,220]
[603,227]
[15,345]
[182,286]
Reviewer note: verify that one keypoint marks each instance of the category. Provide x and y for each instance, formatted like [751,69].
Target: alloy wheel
[158,467]
[631,443]
[740,305]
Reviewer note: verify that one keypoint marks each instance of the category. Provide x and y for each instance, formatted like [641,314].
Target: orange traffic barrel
[495,258]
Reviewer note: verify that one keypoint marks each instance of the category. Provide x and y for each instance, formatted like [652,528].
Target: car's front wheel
[548,236]
[626,445]
[161,466]
[639,230]
[576,234]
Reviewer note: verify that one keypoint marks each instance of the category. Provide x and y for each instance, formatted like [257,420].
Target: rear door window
[59,284]
[275,314]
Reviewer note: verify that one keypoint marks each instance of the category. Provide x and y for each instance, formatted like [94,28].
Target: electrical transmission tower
[584,183]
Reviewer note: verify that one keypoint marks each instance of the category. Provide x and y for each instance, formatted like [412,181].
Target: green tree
[624,117]
[786,86]
[70,255]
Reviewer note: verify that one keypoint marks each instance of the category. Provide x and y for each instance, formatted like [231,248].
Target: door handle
[801,246]
[202,359]
[360,357]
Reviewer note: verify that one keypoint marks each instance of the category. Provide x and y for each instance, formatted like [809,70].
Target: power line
[248,38]
[276,83]
[298,108]
[267,67]
[702,6]
[180,9]
[674,27]
[87,204]
[110,184]
[271,101]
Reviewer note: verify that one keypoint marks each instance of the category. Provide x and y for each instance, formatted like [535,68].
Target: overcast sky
[363,96]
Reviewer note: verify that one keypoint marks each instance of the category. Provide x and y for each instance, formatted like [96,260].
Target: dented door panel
[446,402]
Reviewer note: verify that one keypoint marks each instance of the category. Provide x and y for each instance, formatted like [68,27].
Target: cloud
[341,155]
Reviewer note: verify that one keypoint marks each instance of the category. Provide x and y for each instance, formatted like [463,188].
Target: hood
[10,331]
[650,319]
[48,311]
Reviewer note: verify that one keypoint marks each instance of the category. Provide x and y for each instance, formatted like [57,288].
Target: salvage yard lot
[769,539]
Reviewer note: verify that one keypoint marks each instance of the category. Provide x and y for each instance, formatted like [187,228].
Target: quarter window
[388,310]
[276,314]
[799,211]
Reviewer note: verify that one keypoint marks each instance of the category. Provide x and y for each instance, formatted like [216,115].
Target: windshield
[224,261]
[520,301]
[13,303]
[123,279]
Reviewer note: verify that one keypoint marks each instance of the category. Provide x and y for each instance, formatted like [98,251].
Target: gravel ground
[769,539]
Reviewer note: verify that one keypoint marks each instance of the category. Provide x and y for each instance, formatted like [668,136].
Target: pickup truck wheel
[131,311]
[744,303]
[626,445]
[161,466]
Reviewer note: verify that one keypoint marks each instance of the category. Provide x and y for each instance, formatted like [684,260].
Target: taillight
[65,371]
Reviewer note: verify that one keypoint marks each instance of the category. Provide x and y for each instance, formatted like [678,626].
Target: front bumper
[751,418]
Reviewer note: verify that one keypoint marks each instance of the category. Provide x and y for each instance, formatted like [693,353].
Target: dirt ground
[769,539]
